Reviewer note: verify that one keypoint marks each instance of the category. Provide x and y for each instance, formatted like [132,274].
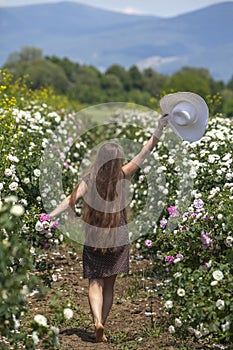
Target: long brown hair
[104,204]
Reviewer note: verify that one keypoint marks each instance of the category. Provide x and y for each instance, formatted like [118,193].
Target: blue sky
[164,8]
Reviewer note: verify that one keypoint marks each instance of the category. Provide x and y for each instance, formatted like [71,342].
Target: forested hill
[101,38]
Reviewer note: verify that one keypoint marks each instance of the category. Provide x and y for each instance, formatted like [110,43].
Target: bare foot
[99,332]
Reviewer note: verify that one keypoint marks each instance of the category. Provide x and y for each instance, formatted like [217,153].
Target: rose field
[181,218]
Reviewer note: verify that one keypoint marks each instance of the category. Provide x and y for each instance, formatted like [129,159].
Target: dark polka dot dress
[98,264]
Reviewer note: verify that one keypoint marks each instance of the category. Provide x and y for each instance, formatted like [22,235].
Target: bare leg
[108,294]
[95,296]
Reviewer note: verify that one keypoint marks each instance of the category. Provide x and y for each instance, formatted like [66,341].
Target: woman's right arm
[130,168]
[65,204]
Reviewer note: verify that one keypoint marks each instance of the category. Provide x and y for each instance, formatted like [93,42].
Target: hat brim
[192,132]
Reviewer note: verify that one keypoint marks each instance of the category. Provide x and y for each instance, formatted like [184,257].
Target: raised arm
[130,168]
[79,191]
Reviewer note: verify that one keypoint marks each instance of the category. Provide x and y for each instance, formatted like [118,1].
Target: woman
[106,248]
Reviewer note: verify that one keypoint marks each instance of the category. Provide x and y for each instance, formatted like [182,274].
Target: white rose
[68,313]
[35,338]
[17,210]
[180,292]
[171,329]
[41,320]
[168,304]
[220,304]
[39,226]
[55,330]
[45,225]
[1,186]
[213,283]
[218,275]
[220,216]
[26,180]
[226,326]
[229,241]
[178,322]
[8,172]
[197,333]
[13,186]
[36,172]
[12,158]
[229,176]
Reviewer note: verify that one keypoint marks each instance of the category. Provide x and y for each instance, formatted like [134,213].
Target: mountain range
[93,36]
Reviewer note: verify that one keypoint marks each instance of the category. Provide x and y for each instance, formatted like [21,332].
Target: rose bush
[181,206]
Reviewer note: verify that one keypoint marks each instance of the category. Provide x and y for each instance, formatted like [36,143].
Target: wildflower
[173,212]
[41,320]
[68,313]
[148,243]
[181,292]
[218,275]
[163,223]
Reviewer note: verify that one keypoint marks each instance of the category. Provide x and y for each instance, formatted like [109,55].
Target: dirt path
[130,324]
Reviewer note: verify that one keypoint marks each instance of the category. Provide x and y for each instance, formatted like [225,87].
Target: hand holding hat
[187,114]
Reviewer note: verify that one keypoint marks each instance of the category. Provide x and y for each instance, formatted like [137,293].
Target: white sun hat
[187,114]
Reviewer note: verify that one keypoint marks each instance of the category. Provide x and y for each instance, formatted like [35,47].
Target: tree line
[88,85]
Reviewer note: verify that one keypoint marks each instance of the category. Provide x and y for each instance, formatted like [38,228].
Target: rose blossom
[218,275]
[163,223]
[168,304]
[55,224]
[68,313]
[173,212]
[44,217]
[148,243]
[180,292]
[198,203]
[41,320]
[220,304]
[206,240]
[170,259]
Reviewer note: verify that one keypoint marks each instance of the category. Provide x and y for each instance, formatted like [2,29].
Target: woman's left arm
[131,167]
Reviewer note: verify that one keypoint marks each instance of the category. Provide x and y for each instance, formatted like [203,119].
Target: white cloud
[130,11]
[157,61]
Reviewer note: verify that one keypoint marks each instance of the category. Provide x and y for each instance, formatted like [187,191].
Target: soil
[136,319]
